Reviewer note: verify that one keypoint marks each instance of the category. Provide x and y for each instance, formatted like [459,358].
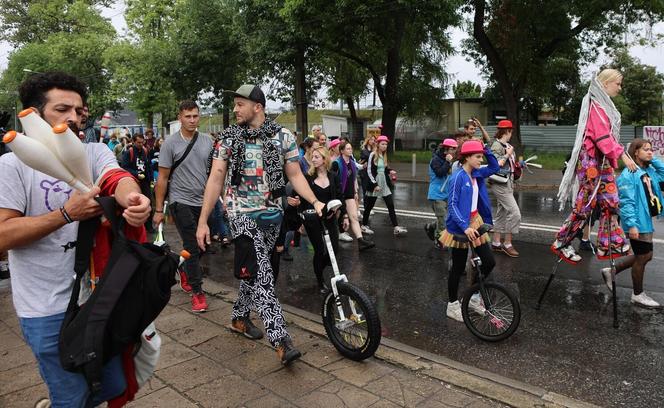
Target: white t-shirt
[476,194]
[43,272]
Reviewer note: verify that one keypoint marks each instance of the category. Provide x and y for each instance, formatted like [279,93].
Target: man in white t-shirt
[38,225]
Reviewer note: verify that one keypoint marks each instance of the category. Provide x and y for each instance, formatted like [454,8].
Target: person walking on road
[440,169]
[183,173]
[589,177]
[640,200]
[252,162]
[468,209]
[508,214]
[325,186]
[381,179]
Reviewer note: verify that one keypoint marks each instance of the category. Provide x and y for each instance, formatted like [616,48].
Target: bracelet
[65,215]
[159,211]
[315,201]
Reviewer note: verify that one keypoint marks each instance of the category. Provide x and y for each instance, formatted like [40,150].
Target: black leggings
[369,203]
[459,258]
[315,234]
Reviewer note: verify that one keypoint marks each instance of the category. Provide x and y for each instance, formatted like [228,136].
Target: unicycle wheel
[493,316]
[356,337]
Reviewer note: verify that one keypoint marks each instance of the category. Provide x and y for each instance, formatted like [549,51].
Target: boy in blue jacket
[440,169]
[640,200]
[468,207]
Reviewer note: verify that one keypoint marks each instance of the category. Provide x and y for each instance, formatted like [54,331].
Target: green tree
[466,89]
[401,45]
[518,39]
[643,90]
[78,51]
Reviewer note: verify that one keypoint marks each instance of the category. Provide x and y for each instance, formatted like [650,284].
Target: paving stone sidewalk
[204,364]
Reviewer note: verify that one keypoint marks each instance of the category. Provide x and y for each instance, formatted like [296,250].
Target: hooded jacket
[634,210]
[460,197]
[439,175]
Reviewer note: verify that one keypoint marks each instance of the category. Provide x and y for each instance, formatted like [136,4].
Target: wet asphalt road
[568,347]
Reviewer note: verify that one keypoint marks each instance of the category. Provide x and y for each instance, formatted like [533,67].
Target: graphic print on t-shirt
[253,190]
[56,193]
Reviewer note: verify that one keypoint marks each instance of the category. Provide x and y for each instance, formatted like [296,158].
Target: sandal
[603,254]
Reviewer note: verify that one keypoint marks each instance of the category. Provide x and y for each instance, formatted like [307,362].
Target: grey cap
[251,92]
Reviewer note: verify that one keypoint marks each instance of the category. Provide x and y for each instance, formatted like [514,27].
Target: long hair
[376,151]
[323,151]
[636,145]
[366,140]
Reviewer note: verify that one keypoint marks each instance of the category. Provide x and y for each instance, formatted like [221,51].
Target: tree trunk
[510,94]
[150,120]
[302,124]
[391,105]
[226,116]
[355,131]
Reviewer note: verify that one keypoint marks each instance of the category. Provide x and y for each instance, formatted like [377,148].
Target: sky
[457,66]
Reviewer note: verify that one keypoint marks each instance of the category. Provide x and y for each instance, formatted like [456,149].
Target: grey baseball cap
[251,92]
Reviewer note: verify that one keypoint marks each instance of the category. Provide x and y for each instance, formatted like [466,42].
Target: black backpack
[133,290]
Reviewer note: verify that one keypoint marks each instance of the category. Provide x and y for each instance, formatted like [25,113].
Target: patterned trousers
[590,172]
[258,293]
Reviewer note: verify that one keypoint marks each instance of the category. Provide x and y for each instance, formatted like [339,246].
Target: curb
[489,385]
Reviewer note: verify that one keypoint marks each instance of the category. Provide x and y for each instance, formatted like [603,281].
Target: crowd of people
[253,184]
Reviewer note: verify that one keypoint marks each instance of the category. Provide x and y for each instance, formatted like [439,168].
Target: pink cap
[471,147]
[333,143]
[382,138]
[450,143]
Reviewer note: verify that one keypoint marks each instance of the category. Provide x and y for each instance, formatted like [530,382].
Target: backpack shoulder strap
[184,156]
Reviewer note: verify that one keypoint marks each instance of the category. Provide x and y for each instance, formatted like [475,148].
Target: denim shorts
[67,389]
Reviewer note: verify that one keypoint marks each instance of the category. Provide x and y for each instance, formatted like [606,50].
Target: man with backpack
[135,161]
[252,161]
[183,172]
[39,218]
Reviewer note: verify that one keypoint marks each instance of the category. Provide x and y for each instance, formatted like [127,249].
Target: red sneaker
[198,303]
[184,283]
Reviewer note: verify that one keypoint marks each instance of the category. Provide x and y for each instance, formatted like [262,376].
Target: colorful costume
[593,162]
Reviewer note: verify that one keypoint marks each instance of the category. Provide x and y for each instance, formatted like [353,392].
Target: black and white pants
[258,293]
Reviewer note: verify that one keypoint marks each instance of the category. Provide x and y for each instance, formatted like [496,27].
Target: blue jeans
[67,389]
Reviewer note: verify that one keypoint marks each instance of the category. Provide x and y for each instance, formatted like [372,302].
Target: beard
[74,128]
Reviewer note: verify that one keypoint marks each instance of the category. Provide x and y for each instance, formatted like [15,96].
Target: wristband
[65,215]
[159,211]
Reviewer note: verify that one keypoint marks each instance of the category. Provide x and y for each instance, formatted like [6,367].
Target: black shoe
[286,256]
[246,327]
[286,352]
[4,273]
[364,244]
[586,246]
[430,230]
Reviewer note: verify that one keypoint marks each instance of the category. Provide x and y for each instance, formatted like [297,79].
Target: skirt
[447,240]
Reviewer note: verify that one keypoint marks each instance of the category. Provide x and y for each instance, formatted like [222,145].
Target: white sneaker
[606,275]
[43,403]
[476,304]
[345,237]
[569,253]
[643,300]
[400,230]
[367,230]
[454,311]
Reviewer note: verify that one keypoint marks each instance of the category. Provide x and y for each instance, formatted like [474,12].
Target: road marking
[525,225]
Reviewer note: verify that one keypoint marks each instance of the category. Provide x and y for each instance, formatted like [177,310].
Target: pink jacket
[598,136]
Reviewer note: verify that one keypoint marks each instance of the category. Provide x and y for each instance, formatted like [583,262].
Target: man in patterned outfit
[252,161]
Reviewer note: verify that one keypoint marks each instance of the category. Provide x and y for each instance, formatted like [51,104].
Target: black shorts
[641,247]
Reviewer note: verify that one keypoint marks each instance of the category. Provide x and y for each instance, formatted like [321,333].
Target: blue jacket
[439,170]
[633,202]
[460,198]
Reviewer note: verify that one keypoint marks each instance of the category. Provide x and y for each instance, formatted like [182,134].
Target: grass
[549,161]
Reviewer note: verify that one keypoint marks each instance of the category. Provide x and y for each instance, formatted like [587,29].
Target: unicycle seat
[483,229]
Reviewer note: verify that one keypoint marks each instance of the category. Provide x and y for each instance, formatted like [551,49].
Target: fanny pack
[267,218]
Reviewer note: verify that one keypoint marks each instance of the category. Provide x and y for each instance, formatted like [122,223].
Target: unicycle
[490,311]
[349,317]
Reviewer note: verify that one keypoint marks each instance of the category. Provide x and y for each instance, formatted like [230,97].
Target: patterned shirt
[253,193]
